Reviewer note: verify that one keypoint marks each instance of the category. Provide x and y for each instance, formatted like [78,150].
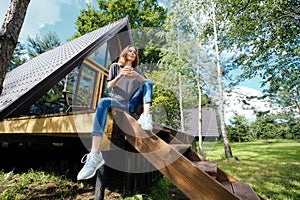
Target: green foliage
[206,101]
[164,189]
[239,131]
[145,17]
[287,125]
[266,126]
[166,99]
[33,48]
[177,62]
[18,57]
[140,14]
[39,45]
[165,106]
[270,26]
[266,34]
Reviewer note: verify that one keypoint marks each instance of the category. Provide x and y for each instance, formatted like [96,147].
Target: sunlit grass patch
[272,167]
[35,185]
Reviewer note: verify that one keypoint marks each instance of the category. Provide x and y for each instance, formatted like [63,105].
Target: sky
[42,16]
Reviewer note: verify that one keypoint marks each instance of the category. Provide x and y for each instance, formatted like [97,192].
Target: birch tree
[197,14]
[199,87]
[227,148]
[9,34]
[205,24]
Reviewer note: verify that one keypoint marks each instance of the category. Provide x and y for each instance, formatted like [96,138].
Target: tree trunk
[180,85]
[180,103]
[200,111]
[227,148]
[9,34]
[200,134]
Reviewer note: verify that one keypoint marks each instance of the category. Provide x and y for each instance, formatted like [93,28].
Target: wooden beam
[54,124]
[64,125]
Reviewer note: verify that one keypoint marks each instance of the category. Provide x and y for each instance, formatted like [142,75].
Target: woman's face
[131,55]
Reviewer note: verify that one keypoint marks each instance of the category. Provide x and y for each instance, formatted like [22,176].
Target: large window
[101,55]
[82,88]
[84,92]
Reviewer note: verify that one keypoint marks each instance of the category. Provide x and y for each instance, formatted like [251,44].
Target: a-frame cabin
[45,95]
[53,97]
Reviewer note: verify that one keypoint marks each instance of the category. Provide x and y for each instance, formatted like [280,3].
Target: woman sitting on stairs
[130,90]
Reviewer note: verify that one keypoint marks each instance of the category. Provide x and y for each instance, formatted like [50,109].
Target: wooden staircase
[195,176]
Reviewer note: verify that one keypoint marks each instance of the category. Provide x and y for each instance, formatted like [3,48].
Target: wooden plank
[66,125]
[180,147]
[167,137]
[244,191]
[49,125]
[223,176]
[193,182]
[227,185]
[164,131]
[207,166]
[193,155]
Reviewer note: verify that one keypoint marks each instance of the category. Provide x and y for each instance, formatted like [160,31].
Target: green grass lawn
[271,167]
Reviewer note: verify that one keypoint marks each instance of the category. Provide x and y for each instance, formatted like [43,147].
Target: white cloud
[235,102]
[41,13]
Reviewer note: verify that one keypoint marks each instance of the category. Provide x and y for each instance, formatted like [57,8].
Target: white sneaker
[145,121]
[93,161]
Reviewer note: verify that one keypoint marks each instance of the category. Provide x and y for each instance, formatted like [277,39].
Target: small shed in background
[209,123]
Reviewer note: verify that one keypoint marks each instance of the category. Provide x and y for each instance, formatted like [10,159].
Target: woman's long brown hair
[122,60]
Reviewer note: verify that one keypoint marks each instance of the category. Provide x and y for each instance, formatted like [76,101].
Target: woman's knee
[104,102]
[133,108]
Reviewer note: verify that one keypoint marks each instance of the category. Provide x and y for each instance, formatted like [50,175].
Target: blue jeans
[140,97]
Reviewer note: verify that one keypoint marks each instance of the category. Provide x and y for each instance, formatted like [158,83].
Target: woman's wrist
[119,76]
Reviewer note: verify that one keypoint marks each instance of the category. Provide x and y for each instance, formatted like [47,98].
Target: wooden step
[207,166]
[227,185]
[244,191]
[180,147]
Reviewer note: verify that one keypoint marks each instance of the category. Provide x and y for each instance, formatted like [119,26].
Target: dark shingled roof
[209,122]
[25,84]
